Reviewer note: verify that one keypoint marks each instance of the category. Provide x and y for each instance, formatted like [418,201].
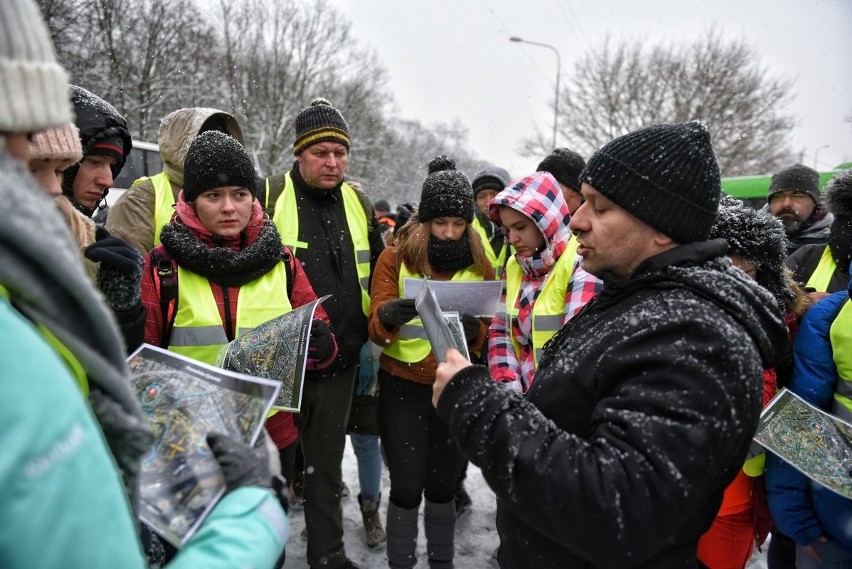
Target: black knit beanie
[565,165]
[797,177]
[446,192]
[491,178]
[320,122]
[666,175]
[216,160]
[838,194]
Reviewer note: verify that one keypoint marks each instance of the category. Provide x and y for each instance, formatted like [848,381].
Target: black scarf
[222,265]
[449,256]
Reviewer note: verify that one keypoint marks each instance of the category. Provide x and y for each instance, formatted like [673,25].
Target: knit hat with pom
[666,175]
[35,87]
[565,165]
[446,192]
[60,143]
[757,237]
[216,160]
[320,122]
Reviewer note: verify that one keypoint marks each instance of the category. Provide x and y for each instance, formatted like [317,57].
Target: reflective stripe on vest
[822,274]
[198,331]
[412,345]
[549,308]
[498,262]
[286,219]
[840,335]
[74,366]
[164,202]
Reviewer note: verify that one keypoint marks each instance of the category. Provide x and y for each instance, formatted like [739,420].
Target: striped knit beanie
[666,175]
[320,122]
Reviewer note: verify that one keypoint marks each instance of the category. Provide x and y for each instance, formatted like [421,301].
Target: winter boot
[463,501]
[439,522]
[296,491]
[372,522]
[401,537]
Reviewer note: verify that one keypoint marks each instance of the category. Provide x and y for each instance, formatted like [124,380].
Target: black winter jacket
[329,262]
[642,412]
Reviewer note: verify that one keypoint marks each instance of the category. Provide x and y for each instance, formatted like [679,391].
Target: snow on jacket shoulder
[640,416]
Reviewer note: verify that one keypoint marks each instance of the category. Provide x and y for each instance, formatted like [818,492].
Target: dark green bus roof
[754,187]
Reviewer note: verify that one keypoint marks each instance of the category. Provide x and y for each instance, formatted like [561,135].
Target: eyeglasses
[794,195]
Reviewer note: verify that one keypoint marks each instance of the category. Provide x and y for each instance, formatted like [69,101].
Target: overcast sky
[452,59]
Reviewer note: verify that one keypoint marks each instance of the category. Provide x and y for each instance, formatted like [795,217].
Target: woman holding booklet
[437,243]
[222,270]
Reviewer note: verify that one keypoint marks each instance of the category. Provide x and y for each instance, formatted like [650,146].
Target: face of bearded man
[792,208]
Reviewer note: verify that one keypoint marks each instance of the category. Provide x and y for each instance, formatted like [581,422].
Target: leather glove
[120,273]
[321,343]
[472,328]
[241,464]
[397,312]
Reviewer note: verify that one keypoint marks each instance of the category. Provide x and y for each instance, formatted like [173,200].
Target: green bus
[753,189]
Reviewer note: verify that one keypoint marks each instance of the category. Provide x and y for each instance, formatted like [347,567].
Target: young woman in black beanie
[438,243]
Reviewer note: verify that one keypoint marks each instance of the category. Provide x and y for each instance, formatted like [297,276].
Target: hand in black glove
[120,273]
[472,328]
[321,344]
[241,464]
[397,312]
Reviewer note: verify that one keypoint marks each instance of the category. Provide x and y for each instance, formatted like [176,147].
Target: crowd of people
[609,402]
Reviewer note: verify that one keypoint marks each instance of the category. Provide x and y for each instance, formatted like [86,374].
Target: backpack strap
[164,273]
[289,269]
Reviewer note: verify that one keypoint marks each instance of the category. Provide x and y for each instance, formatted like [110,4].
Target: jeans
[369,454]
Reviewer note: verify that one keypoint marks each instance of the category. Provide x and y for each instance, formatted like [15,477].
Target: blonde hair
[412,242]
[82,229]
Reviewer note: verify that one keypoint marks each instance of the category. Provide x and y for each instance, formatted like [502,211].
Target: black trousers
[422,458]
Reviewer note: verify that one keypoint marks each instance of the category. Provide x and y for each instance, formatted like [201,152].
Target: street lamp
[816,155]
[558,72]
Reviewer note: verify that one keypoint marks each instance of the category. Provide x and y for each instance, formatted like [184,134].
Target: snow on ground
[476,536]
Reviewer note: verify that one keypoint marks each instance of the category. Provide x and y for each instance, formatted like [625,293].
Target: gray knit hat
[446,192]
[33,86]
[491,178]
[797,177]
[216,160]
[320,122]
[666,175]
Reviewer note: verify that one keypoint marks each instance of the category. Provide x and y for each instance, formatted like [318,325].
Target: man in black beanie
[566,165]
[824,268]
[331,228]
[487,184]
[794,198]
[645,402]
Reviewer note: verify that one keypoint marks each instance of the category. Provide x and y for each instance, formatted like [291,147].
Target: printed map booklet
[277,350]
[479,298]
[816,443]
[443,328]
[183,400]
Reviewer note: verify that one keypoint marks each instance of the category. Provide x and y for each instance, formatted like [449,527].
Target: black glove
[120,273]
[397,312]
[321,344]
[241,464]
[472,328]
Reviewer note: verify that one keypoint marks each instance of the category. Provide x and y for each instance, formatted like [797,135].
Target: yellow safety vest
[286,219]
[549,308]
[840,335]
[164,202]
[74,365]
[498,262]
[198,332]
[412,345]
[822,274]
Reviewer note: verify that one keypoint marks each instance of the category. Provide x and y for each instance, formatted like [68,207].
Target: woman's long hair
[412,243]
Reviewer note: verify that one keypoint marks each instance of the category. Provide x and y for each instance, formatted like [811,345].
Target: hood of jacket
[540,198]
[178,129]
[703,268]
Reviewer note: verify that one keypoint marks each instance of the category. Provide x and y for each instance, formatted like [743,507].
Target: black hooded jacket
[641,414]
[97,120]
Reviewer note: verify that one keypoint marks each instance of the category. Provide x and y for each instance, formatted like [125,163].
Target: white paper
[477,298]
